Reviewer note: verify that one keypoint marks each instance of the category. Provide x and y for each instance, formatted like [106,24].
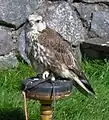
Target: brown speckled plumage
[49,51]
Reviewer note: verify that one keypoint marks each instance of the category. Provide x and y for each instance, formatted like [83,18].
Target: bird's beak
[27,22]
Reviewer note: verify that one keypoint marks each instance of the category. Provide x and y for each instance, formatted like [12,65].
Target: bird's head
[36,22]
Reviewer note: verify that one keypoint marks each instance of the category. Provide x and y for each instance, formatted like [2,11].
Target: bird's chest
[39,53]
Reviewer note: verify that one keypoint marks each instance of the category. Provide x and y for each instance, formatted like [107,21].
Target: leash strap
[25,105]
[54,99]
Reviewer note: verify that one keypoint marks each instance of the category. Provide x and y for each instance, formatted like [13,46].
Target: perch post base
[44,93]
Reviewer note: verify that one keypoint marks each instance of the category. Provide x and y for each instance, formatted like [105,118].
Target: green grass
[75,107]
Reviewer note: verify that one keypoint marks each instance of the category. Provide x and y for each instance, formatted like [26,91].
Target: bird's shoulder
[52,39]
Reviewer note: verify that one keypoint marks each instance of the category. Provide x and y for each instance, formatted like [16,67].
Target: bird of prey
[51,55]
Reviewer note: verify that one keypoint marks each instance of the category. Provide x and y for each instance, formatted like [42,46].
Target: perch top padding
[39,89]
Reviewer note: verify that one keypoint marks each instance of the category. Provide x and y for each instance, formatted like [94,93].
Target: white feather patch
[66,73]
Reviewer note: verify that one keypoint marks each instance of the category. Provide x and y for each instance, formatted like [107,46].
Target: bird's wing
[62,50]
[62,54]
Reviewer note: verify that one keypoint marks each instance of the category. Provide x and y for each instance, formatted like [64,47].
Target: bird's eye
[37,21]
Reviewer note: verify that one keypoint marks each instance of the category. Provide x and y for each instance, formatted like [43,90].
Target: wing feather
[62,55]
[61,48]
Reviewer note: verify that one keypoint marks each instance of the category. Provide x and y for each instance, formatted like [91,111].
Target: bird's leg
[52,77]
[48,75]
[45,75]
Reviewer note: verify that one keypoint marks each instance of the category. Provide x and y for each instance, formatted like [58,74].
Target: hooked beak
[27,22]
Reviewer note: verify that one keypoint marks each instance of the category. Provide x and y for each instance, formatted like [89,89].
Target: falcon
[51,55]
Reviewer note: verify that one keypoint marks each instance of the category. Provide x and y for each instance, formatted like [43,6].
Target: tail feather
[81,83]
[87,85]
[83,86]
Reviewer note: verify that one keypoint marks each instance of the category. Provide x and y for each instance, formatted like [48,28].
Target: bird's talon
[53,78]
[45,75]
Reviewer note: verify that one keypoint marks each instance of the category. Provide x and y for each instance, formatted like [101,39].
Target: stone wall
[12,14]
[78,21]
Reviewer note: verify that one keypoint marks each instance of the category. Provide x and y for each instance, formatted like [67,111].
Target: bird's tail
[83,86]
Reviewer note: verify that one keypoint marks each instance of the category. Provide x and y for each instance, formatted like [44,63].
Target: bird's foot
[45,75]
[52,78]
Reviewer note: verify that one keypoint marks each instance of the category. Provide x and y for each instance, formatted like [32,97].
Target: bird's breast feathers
[33,35]
[39,52]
